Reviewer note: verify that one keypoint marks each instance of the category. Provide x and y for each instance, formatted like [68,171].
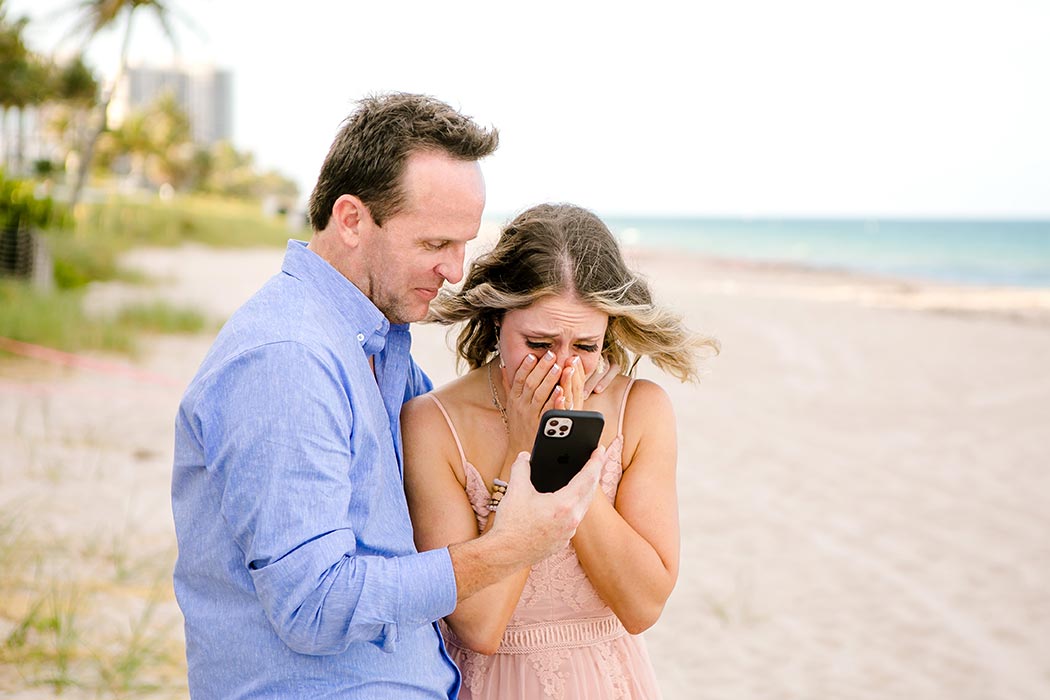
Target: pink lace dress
[562,641]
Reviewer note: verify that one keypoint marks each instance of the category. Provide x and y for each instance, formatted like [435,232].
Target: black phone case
[555,460]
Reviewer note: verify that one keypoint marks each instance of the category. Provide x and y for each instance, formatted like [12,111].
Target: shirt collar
[341,296]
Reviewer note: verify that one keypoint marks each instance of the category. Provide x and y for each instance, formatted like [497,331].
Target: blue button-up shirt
[297,573]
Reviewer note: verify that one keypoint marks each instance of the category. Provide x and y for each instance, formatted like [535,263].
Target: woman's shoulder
[639,394]
[440,405]
[645,393]
[429,422]
[648,417]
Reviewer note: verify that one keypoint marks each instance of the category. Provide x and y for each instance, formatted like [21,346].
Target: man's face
[411,256]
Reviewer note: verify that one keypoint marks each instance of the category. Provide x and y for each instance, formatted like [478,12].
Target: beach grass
[90,252]
[105,229]
[57,319]
[161,317]
[51,633]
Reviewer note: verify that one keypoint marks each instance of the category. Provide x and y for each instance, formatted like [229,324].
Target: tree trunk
[5,147]
[88,153]
[20,144]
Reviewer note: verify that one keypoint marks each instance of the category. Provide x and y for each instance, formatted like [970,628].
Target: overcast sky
[741,108]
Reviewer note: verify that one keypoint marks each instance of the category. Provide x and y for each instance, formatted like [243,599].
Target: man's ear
[351,218]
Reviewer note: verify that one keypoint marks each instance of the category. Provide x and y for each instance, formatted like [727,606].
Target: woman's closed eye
[545,345]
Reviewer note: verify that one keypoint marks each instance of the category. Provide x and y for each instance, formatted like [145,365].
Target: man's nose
[452,268]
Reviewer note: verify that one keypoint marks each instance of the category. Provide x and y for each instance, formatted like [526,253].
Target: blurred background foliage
[103,189]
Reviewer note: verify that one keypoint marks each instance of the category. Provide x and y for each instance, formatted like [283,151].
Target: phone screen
[564,443]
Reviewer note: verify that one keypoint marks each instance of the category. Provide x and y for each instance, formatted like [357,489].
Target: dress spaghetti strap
[451,427]
[623,406]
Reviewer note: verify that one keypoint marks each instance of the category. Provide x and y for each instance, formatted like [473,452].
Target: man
[297,573]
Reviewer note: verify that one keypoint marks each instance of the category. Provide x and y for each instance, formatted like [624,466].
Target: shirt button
[360,337]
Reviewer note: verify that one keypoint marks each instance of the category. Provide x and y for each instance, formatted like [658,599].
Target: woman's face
[559,323]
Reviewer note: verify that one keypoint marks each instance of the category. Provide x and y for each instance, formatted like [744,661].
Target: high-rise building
[204,93]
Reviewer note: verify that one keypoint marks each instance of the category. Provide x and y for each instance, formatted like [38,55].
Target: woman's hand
[601,378]
[570,393]
[534,389]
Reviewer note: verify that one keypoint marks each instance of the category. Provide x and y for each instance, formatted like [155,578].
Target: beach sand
[864,481]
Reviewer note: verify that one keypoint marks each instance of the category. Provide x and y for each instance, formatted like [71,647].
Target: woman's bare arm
[630,551]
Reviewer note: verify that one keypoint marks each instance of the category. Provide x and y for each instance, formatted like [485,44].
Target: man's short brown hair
[367,158]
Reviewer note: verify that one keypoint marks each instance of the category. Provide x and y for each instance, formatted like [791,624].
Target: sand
[864,482]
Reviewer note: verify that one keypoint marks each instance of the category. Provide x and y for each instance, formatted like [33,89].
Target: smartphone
[564,443]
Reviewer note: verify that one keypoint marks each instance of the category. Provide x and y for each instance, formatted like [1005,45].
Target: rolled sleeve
[360,598]
[428,586]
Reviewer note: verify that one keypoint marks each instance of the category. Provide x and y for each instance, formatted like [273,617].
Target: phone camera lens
[552,432]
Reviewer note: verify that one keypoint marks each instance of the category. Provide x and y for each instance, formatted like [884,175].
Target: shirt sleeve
[278,452]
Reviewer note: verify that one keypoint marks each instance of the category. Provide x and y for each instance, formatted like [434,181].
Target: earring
[499,356]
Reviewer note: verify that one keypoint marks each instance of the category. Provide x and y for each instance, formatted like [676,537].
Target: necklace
[497,403]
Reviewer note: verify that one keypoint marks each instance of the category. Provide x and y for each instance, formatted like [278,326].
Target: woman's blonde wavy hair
[555,248]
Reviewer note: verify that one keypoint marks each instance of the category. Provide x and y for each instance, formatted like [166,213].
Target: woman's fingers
[535,376]
[542,392]
[557,400]
[601,378]
[525,369]
[576,384]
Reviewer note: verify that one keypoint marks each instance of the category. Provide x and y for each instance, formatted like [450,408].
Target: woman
[541,311]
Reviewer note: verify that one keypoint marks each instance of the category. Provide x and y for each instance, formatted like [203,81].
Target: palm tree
[156,140]
[26,81]
[72,99]
[172,140]
[95,16]
[15,61]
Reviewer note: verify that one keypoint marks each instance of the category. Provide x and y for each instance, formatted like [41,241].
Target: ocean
[1003,253]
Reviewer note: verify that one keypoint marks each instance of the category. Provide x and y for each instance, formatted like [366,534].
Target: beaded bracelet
[499,489]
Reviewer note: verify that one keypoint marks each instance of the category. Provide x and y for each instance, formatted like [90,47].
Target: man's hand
[539,524]
[527,527]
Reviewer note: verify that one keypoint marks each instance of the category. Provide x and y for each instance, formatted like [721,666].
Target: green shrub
[105,229]
[161,317]
[57,320]
[20,207]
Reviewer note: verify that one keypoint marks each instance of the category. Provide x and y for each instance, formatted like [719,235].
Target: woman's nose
[565,359]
